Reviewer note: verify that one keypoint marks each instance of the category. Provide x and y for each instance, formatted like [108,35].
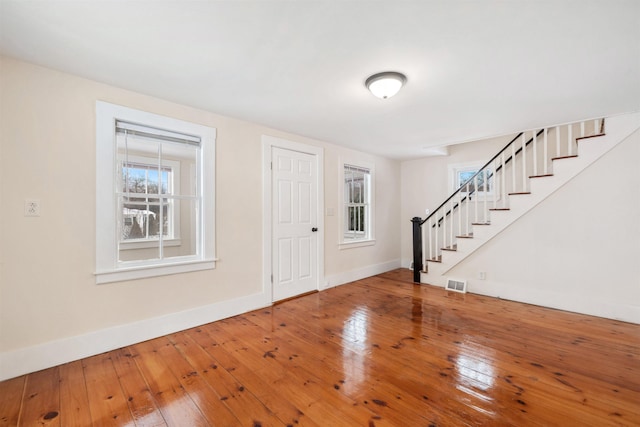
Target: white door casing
[293,252]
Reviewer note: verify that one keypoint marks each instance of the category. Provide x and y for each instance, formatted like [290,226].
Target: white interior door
[295,232]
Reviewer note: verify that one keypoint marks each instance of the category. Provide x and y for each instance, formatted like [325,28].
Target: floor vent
[457,285]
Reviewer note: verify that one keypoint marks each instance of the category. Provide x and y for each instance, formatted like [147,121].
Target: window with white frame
[464,176]
[357,218]
[154,195]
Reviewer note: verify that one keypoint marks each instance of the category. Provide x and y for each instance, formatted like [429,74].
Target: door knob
[314,229]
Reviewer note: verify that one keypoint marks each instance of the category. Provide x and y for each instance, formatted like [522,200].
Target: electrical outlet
[31,207]
[482,275]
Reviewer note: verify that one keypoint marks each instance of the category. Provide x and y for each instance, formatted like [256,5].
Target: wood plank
[176,406]
[11,392]
[141,404]
[74,400]
[210,403]
[41,400]
[107,402]
[296,385]
[236,396]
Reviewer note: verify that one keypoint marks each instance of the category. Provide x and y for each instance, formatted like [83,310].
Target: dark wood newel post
[417,248]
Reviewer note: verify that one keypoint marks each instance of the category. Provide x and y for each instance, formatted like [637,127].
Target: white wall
[50,308]
[579,250]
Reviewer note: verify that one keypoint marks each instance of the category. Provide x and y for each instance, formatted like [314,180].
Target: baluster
[437,231]
[544,153]
[430,227]
[569,138]
[581,129]
[467,208]
[513,168]
[459,212]
[495,182]
[595,127]
[444,226]
[524,163]
[485,214]
[557,141]
[475,198]
[425,246]
[503,176]
[535,153]
[451,225]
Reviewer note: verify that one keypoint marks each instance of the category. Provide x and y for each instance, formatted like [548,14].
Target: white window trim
[455,168]
[108,268]
[370,240]
[174,240]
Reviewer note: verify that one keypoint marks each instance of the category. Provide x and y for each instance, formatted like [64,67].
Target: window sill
[146,244]
[145,271]
[356,244]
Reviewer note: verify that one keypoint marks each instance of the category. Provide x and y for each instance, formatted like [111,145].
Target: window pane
[186,157]
[135,224]
[186,243]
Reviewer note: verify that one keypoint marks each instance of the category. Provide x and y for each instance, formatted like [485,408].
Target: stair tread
[564,157]
[499,209]
[480,223]
[541,176]
[450,248]
[590,136]
[465,236]
[438,259]
[519,193]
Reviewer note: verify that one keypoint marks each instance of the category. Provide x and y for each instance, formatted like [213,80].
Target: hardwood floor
[377,352]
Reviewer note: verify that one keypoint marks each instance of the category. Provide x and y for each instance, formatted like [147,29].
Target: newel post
[417,248]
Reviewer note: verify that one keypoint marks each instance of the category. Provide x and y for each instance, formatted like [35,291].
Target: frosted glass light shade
[385,85]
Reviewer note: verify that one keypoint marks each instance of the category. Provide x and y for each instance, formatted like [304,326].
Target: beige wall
[47,149]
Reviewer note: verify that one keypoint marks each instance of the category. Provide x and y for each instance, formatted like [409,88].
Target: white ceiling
[475,68]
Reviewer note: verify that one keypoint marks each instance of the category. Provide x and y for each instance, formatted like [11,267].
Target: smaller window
[481,185]
[357,218]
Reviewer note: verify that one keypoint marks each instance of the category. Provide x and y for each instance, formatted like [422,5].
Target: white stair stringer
[617,129]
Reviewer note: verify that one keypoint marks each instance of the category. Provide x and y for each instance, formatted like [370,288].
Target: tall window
[357,224]
[155,195]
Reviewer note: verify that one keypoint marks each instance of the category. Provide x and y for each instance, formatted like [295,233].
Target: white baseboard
[360,273]
[583,304]
[30,359]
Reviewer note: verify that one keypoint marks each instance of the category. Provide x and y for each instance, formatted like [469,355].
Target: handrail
[478,173]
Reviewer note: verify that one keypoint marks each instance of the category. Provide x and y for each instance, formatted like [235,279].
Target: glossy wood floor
[378,352]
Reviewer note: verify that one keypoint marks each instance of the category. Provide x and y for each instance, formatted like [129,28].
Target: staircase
[524,173]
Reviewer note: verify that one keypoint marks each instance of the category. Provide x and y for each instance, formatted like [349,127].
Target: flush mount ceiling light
[385,85]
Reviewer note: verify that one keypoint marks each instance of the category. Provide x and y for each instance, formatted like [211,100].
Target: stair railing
[529,154]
